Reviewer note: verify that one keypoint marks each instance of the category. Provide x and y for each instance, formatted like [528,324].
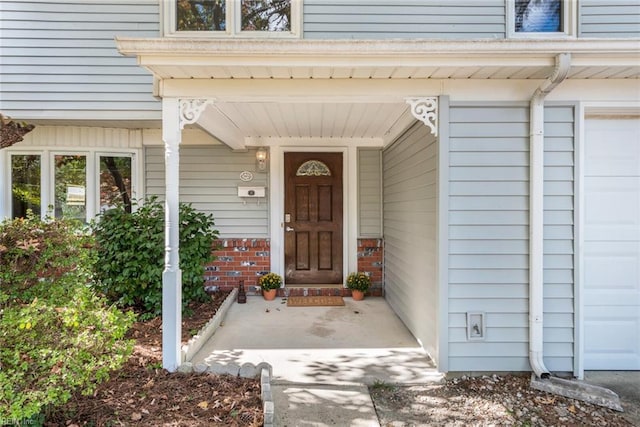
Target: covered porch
[343,96]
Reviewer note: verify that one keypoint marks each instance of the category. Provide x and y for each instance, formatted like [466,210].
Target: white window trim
[47,176]
[232,16]
[569,23]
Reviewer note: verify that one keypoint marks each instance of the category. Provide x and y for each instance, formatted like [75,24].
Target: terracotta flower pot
[357,295]
[270,294]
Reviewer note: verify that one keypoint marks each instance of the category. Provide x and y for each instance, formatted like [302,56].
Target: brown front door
[313,218]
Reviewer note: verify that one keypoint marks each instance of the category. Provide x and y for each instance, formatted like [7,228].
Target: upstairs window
[540,18]
[252,18]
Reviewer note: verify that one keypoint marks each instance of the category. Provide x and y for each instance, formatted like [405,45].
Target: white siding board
[60,56]
[488,217]
[474,364]
[499,247]
[609,18]
[409,221]
[505,290]
[488,231]
[494,144]
[209,177]
[498,320]
[473,203]
[380,19]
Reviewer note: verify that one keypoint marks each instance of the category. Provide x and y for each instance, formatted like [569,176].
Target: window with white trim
[541,18]
[75,185]
[248,18]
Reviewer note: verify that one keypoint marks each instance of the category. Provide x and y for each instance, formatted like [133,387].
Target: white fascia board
[355,49]
[347,90]
[592,90]
[418,60]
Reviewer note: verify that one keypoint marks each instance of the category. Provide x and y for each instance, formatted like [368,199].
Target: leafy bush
[31,249]
[130,250]
[56,335]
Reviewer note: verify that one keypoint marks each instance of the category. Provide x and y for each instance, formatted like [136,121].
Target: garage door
[612,244]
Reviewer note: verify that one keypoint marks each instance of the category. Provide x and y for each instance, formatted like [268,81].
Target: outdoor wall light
[261,158]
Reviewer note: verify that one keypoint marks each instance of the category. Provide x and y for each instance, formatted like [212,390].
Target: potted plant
[359,284]
[270,283]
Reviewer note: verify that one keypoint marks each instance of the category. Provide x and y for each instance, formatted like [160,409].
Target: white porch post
[172,275]
[175,114]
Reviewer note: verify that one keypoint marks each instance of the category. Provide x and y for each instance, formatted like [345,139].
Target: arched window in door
[313,168]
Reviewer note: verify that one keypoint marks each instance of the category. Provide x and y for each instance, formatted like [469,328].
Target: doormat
[314,301]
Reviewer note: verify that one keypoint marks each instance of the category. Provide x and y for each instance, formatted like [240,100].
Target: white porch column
[172,275]
[175,114]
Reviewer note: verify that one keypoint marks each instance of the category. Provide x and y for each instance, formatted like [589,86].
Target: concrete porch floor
[358,343]
[323,358]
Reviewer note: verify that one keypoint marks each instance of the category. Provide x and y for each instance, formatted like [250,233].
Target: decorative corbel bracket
[191,109]
[425,109]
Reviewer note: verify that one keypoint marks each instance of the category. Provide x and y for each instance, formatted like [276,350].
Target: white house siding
[209,179]
[387,19]
[59,59]
[410,206]
[609,18]
[370,193]
[559,224]
[488,247]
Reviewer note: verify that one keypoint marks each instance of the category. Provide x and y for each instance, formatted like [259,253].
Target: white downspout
[536,212]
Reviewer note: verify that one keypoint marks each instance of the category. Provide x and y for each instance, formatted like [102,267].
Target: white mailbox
[251,192]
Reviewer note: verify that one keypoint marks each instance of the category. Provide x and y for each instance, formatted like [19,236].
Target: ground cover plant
[130,255]
[141,393]
[56,335]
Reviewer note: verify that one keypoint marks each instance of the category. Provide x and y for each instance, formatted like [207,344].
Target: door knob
[287,228]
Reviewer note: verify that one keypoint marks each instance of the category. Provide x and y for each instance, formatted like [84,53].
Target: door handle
[287,228]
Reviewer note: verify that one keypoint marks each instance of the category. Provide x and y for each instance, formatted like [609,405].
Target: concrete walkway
[323,358]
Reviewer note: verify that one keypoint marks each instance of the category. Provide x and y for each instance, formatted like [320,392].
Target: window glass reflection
[70,187]
[25,185]
[538,16]
[115,183]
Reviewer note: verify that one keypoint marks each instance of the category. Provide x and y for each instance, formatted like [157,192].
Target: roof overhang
[302,88]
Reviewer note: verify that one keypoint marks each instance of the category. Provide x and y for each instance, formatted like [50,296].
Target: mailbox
[251,191]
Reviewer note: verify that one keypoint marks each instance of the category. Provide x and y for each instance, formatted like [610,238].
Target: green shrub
[32,249]
[56,335]
[130,250]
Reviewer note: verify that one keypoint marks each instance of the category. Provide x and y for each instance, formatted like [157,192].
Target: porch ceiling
[254,123]
[240,116]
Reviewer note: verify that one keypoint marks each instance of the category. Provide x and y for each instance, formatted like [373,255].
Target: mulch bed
[485,401]
[141,393]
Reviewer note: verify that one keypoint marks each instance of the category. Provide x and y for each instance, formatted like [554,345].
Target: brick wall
[371,261]
[238,259]
[248,259]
